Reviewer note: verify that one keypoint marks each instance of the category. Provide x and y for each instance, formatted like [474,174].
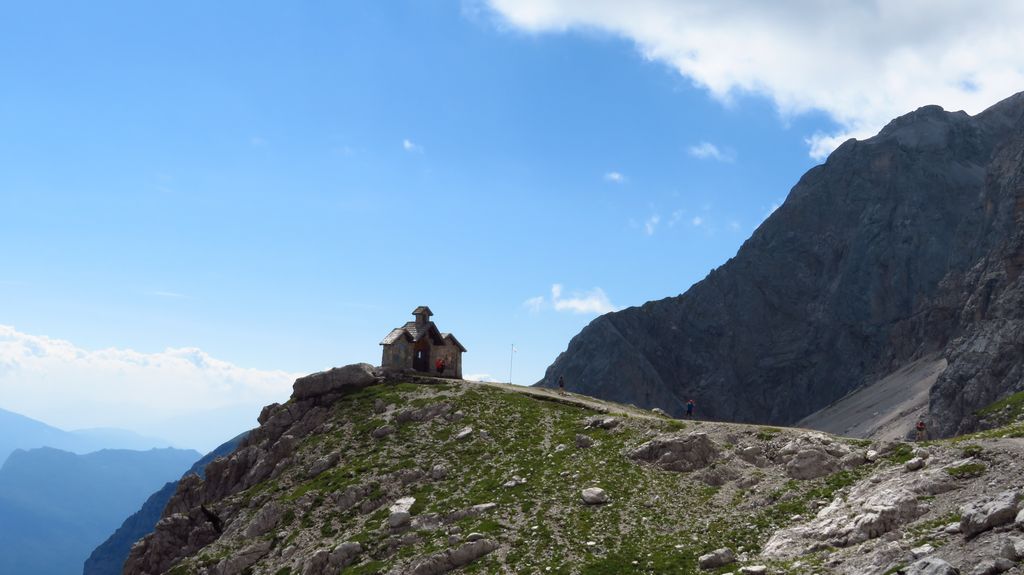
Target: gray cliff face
[901,245]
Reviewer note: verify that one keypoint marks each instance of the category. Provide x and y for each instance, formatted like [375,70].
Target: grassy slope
[657,521]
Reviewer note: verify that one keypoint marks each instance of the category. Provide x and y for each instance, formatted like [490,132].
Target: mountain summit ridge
[869,265]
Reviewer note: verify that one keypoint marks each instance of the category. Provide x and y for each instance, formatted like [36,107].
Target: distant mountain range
[109,557]
[56,506]
[20,432]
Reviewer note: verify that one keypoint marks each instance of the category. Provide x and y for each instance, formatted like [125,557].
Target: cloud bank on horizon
[862,63]
[159,394]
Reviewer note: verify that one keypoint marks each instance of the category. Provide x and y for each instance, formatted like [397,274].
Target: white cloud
[592,301]
[482,377]
[581,302]
[697,221]
[410,146]
[709,151]
[651,225]
[258,142]
[64,385]
[615,177]
[862,62]
[676,216]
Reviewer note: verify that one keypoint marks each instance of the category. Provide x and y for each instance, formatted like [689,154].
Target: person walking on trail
[922,430]
[689,408]
[561,385]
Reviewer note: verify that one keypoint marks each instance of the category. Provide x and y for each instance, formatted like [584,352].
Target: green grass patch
[967,470]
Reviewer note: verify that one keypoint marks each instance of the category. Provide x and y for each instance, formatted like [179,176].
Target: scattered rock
[594,496]
[382,431]
[343,555]
[659,411]
[265,520]
[914,464]
[603,422]
[1019,521]
[453,558]
[399,519]
[474,537]
[1012,549]
[992,566]
[931,566]
[584,441]
[717,558]
[978,517]
[464,433]
[919,552]
[438,472]
[754,569]
[871,455]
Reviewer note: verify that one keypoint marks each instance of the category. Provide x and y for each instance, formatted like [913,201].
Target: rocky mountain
[902,247]
[365,472]
[20,432]
[56,506]
[109,557]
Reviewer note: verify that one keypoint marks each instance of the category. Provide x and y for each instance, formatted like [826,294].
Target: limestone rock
[603,422]
[452,558]
[398,519]
[464,433]
[992,566]
[583,441]
[717,558]
[931,566]
[594,496]
[978,517]
[678,452]
[265,520]
[1012,549]
[339,380]
[914,464]
[382,431]
[811,463]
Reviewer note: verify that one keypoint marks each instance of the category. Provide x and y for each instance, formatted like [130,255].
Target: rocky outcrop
[678,452]
[906,244]
[339,380]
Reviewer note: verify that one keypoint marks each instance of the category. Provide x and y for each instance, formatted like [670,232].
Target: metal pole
[511,356]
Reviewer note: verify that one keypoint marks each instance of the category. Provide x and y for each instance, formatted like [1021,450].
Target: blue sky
[280,184]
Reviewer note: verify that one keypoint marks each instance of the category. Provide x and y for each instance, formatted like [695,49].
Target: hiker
[689,408]
[561,385]
[439,364]
[922,431]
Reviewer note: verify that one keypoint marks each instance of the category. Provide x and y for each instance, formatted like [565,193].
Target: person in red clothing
[689,408]
[922,431]
[439,364]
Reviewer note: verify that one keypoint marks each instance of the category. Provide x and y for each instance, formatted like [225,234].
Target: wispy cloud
[481,377]
[534,304]
[697,221]
[410,146]
[861,63]
[709,151]
[65,385]
[258,142]
[615,177]
[651,224]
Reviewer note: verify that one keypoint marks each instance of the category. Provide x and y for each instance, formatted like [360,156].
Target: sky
[200,202]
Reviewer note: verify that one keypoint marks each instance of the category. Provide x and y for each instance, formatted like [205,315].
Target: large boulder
[717,558]
[811,463]
[678,452]
[339,380]
[979,517]
[594,496]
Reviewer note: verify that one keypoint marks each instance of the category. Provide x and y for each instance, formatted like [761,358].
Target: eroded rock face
[678,452]
[452,558]
[868,512]
[717,558]
[978,517]
[339,380]
[905,243]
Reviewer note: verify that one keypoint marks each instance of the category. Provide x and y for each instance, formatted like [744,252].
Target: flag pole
[511,356]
